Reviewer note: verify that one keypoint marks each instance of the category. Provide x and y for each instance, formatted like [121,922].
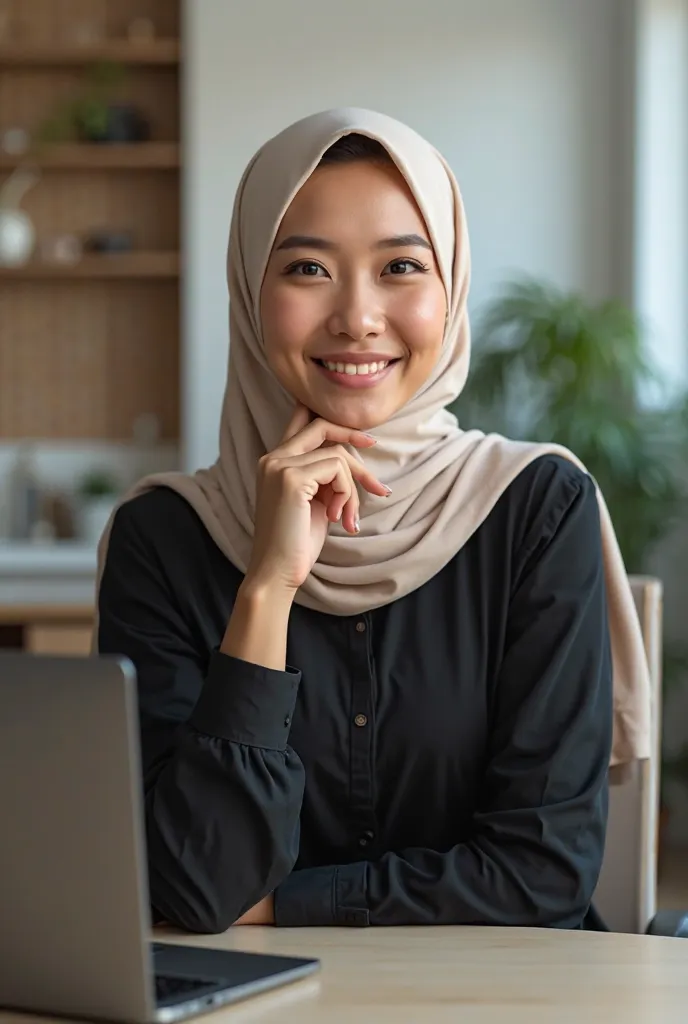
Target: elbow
[210,908]
[192,911]
[565,903]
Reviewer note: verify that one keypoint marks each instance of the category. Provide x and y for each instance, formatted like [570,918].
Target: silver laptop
[74,906]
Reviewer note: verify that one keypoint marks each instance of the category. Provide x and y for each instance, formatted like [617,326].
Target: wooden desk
[47,629]
[465,976]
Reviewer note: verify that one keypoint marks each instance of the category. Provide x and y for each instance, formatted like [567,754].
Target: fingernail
[388,490]
[357,525]
[370,438]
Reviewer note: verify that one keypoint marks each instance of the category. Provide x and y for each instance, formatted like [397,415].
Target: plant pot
[94,516]
[117,123]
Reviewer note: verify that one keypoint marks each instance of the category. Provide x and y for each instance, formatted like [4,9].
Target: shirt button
[287,720]
[366,838]
[360,721]
[360,627]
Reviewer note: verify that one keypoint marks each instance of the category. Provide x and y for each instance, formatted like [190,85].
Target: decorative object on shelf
[97,492]
[15,141]
[24,495]
[96,115]
[141,30]
[114,123]
[17,233]
[86,32]
[64,249]
[109,242]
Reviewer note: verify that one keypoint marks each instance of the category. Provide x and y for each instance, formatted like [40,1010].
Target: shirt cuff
[319,897]
[246,703]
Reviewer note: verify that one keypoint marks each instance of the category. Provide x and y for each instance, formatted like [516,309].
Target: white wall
[524,97]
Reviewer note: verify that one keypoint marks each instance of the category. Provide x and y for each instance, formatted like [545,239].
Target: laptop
[74,901]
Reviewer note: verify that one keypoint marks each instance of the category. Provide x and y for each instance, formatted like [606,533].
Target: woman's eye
[305,269]
[400,268]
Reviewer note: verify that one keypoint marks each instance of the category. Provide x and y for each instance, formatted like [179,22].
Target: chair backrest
[626,893]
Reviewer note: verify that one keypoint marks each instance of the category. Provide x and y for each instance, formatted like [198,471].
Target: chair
[626,894]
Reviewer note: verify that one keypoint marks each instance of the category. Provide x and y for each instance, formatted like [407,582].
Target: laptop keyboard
[172,987]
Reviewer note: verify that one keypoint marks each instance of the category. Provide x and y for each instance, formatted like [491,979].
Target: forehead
[350,198]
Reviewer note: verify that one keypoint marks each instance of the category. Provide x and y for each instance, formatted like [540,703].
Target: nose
[356,313]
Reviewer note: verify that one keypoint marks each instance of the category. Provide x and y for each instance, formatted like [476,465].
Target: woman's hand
[304,485]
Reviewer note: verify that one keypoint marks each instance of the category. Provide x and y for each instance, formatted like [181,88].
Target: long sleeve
[223,789]
[536,841]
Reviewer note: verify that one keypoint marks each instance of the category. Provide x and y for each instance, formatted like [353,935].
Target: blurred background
[124,128]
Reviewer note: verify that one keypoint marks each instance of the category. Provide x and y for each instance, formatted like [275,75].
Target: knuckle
[267,462]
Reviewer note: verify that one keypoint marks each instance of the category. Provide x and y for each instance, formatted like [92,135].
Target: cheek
[420,321]
[288,319]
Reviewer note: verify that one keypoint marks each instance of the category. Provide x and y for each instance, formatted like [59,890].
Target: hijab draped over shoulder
[444,480]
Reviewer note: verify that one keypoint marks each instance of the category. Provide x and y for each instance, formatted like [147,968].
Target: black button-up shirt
[439,760]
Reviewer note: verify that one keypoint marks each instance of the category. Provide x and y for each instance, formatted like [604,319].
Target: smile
[356,375]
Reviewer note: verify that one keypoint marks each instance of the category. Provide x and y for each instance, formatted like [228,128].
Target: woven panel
[83,360]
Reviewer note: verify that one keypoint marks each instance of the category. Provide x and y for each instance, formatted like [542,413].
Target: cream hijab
[444,480]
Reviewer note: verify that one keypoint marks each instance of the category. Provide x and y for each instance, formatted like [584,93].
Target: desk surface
[466,976]
[460,976]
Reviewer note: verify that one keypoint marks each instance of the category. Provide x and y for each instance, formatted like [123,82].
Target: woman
[373,650]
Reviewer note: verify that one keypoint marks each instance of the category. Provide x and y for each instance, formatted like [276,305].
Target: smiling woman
[353,309]
[375,669]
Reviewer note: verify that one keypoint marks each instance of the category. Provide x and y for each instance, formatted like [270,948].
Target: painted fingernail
[357,525]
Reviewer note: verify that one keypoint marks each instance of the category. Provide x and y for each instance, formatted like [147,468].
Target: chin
[358,415]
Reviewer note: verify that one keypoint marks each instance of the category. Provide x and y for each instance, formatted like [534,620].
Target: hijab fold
[445,481]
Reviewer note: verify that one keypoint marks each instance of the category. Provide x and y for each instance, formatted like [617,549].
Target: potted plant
[550,366]
[94,114]
[98,492]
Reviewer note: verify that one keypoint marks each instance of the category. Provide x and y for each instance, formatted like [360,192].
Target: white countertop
[62,572]
[59,557]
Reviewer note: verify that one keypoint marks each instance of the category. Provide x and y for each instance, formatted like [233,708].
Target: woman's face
[352,305]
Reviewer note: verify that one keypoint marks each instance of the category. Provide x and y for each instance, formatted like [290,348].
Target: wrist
[257,629]
[256,593]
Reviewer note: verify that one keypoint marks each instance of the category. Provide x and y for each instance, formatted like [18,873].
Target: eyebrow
[395,242]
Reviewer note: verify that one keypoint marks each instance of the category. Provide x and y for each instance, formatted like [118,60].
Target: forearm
[257,629]
[512,879]
[223,803]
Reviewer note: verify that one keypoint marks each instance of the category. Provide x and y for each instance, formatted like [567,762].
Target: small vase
[95,513]
[17,234]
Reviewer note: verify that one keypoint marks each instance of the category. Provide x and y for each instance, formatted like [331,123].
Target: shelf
[122,266]
[101,156]
[157,52]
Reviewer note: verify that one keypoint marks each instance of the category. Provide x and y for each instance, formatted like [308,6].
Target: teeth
[358,369]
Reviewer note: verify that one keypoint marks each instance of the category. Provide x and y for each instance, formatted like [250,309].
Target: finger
[328,473]
[347,510]
[338,507]
[312,435]
[335,490]
[357,469]
[301,417]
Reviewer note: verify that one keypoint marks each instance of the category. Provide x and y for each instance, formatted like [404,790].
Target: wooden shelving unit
[156,53]
[124,266]
[152,156]
[87,348]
